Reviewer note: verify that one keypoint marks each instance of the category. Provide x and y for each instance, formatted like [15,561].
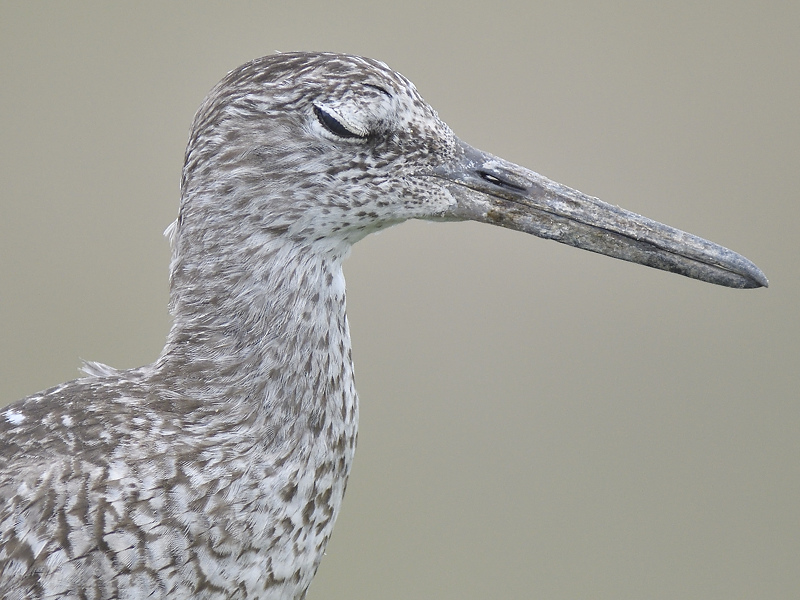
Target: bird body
[218,471]
[190,477]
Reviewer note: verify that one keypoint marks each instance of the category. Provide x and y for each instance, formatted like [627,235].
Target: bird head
[320,150]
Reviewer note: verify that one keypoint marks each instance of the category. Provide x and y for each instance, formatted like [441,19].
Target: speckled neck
[266,325]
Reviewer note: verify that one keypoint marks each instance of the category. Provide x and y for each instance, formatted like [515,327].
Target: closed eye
[335,126]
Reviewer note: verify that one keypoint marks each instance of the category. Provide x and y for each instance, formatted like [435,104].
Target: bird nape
[218,471]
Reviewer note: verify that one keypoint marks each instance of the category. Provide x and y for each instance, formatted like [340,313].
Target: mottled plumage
[218,471]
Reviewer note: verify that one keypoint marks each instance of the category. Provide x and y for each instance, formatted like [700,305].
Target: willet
[218,471]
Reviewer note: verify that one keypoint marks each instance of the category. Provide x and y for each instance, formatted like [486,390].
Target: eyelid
[336,125]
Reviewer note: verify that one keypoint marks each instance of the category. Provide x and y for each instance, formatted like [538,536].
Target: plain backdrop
[537,421]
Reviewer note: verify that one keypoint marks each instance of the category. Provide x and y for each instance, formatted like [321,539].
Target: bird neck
[262,326]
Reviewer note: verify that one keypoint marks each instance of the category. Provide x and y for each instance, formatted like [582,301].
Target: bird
[218,470]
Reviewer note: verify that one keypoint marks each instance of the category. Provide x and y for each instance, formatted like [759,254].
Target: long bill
[491,190]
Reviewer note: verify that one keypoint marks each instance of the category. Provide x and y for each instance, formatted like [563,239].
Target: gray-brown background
[536,421]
